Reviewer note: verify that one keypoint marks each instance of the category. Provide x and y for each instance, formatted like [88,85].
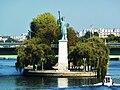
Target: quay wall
[54,73]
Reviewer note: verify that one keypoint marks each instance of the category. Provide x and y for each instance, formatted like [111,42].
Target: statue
[63,48]
[63,27]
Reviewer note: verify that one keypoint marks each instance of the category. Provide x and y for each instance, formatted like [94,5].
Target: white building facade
[19,38]
[103,32]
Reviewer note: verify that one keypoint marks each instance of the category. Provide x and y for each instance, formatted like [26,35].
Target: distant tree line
[113,39]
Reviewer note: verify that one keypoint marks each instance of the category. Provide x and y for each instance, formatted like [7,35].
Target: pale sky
[16,15]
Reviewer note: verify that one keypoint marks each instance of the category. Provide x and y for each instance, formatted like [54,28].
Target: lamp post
[91,32]
[84,59]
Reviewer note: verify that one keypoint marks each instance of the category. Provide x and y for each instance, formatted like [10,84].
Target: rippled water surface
[10,79]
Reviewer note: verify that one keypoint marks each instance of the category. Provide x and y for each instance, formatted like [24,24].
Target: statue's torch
[59,18]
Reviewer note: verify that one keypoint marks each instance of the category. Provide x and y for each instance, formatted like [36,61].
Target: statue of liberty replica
[63,27]
[63,49]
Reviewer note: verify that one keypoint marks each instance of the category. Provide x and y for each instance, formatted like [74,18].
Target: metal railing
[10,45]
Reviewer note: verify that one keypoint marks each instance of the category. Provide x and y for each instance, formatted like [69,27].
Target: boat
[107,81]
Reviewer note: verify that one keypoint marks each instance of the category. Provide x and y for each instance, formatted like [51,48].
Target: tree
[1,41]
[96,34]
[95,52]
[110,38]
[78,53]
[100,55]
[117,39]
[88,34]
[72,37]
[44,30]
[81,39]
[11,40]
[45,27]
[31,55]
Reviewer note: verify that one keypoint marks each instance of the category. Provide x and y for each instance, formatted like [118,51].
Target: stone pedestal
[63,56]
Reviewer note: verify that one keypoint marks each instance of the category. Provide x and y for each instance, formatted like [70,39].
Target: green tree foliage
[95,52]
[100,55]
[31,55]
[110,38]
[88,34]
[96,34]
[72,37]
[113,39]
[1,41]
[44,30]
[45,27]
[117,39]
[11,40]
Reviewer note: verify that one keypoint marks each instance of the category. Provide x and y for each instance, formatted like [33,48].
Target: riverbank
[4,57]
[56,73]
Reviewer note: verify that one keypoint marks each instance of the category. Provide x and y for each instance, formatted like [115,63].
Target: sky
[16,15]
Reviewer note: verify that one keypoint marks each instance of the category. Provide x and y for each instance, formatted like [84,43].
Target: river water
[10,79]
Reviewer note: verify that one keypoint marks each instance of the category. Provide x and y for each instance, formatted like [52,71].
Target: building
[4,38]
[22,37]
[103,32]
[19,38]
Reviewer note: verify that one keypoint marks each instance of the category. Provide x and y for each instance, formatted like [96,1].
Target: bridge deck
[114,56]
[8,56]
[10,45]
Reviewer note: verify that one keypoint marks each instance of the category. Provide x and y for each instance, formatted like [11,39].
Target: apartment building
[103,32]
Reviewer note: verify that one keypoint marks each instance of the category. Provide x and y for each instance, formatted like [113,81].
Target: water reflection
[81,81]
[36,82]
[53,82]
[62,82]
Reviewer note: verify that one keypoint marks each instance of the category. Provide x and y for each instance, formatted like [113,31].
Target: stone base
[62,71]
[54,73]
[63,56]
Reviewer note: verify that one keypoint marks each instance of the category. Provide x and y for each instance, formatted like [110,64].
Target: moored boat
[107,81]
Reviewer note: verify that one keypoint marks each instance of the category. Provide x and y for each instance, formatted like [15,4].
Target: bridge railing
[114,45]
[10,45]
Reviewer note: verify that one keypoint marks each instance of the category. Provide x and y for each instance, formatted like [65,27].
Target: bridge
[10,45]
[114,50]
[114,57]
[114,45]
[13,45]
[8,50]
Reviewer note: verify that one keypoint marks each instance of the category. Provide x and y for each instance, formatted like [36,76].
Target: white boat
[107,81]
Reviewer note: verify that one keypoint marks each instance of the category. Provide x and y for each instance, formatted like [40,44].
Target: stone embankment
[56,73]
